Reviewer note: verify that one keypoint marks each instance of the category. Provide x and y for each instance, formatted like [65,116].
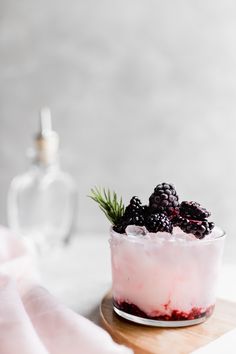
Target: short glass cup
[165,282]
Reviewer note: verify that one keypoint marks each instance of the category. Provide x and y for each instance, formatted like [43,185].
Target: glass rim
[156,240]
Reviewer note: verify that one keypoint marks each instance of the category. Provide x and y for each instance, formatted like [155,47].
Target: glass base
[158,323]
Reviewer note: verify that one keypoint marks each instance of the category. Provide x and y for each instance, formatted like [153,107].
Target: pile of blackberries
[164,211]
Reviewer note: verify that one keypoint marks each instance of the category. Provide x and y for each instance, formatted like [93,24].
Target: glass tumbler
[165,281]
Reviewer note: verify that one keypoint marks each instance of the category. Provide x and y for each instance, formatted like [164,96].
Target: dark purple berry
[199,228]
[158,222]
[164,199]
[193,211]
[134,215]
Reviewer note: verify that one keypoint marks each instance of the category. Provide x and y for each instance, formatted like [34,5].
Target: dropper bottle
[42,201]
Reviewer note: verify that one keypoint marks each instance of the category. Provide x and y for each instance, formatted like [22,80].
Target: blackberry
[199,228]
[193,211]
[158,222]
[134,215]
[134,207]
[164,199]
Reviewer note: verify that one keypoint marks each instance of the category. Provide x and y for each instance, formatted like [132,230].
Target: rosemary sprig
[109,203]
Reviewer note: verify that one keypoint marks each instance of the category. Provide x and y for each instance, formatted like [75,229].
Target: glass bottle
[42,201]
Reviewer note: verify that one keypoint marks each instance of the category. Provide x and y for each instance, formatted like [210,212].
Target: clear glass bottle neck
[53,165]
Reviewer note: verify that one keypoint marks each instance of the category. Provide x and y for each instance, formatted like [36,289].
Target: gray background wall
[141,91]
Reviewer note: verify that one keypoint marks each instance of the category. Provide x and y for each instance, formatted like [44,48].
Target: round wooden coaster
[151,340]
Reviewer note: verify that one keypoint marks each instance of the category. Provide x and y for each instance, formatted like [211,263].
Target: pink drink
[165,280]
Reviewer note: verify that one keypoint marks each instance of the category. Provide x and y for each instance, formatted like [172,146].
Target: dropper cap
[45,121]
[47,140]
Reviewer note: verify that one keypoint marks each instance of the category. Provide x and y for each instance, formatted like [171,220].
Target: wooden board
[151,340]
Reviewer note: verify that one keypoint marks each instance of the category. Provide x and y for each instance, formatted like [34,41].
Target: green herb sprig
[109,203]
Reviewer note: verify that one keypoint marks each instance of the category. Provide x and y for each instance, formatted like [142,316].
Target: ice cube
[177,231]
[133,230]
[185,237]
[180,235]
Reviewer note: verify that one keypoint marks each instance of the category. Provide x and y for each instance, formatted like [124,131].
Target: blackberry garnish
[158,222]
[199,228]
[134,215]
[135,206]
[164,199]
[163,212]
[193,211]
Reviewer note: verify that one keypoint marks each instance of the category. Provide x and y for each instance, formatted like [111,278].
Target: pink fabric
[16,261]
[32,321]
[63,331]
[17,334]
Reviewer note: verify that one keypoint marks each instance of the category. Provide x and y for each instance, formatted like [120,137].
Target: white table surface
[80,274]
